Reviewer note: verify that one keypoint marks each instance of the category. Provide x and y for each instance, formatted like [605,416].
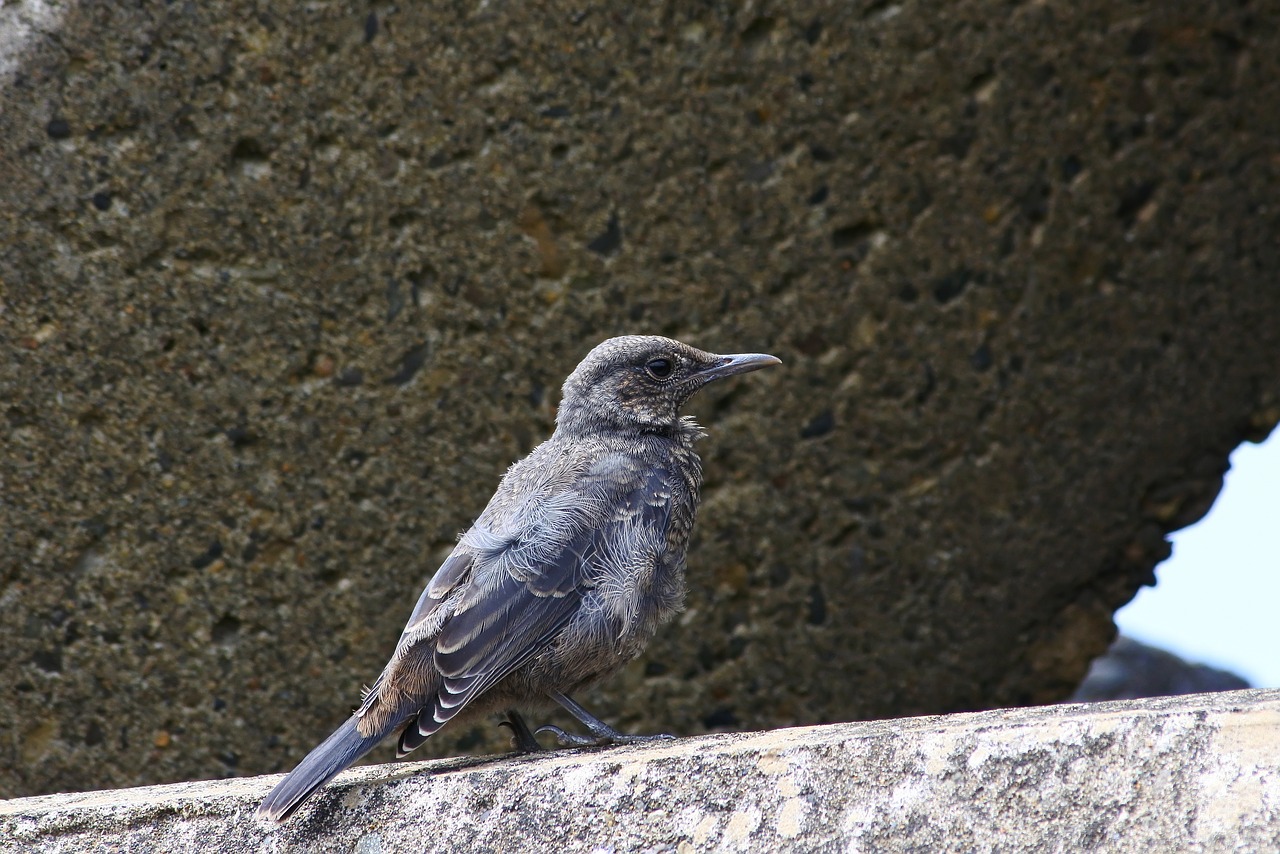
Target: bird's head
[642,381]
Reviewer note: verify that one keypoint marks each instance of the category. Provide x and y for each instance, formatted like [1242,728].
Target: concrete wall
[1196,773]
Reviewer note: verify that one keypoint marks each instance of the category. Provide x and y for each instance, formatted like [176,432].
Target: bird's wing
[538,587]
[424,623]
[451,575]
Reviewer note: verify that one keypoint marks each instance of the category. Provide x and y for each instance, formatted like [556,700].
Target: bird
[565,575]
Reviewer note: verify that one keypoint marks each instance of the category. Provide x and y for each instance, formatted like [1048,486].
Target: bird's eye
[659,369]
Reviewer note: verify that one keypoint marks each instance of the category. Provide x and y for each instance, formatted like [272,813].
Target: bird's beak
[727,366]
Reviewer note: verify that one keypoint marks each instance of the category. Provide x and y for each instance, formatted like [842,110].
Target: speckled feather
[567,573]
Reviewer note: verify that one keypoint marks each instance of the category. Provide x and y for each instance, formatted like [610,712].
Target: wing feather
[500,625]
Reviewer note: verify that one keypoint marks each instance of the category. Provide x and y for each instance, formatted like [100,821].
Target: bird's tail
[321,765]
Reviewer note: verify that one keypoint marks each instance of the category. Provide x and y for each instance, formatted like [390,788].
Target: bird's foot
[601,732]
[525,741]
[607,735]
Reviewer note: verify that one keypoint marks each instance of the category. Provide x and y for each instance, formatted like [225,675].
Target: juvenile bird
[563,578]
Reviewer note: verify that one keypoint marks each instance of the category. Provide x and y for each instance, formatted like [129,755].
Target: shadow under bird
[563,578]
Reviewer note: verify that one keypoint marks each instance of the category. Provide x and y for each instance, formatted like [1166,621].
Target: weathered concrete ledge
[1196,773]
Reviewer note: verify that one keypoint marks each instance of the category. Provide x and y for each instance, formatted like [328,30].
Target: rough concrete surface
[285,286]
[1197,773]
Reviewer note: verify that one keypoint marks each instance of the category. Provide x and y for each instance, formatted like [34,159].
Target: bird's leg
[602,732]
[525,742]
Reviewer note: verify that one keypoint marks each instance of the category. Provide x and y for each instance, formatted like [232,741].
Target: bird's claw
[571,739]
[567,739]
[525,742]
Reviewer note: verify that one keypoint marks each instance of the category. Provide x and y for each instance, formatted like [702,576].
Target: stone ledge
[1194,773]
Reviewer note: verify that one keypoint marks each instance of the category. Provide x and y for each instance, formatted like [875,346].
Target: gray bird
[565,576]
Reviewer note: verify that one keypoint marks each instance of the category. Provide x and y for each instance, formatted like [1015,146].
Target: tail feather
[321,765]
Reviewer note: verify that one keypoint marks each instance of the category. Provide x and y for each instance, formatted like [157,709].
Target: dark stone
[817,606]
[225,630]
[981,358]
[1071,167]
[240,436]
[349,377]
[820,425]
[1131,669]
[610,241]
[410,363]
[1133,199]
[48,660]
[395,298]
[1139,43]
[821,154]
[849,236]
[209,556]
[951,286]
